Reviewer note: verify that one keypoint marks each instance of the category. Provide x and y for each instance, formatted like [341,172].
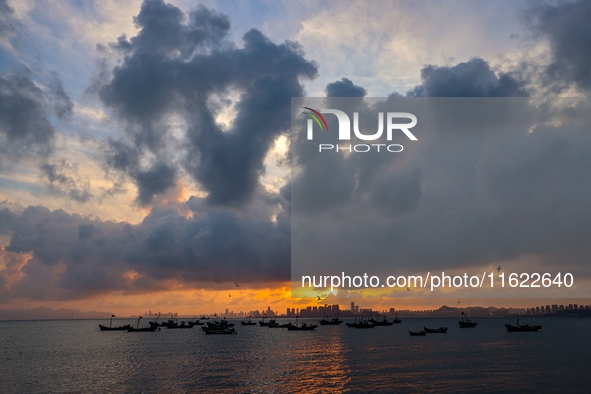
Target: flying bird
[499,268]
[459,301]
[319,299]
[237,285]
[408,288]
[229,295]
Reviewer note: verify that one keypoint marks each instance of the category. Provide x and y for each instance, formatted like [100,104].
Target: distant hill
[43,313]
[472,311]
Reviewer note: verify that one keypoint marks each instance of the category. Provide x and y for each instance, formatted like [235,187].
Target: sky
[144,158]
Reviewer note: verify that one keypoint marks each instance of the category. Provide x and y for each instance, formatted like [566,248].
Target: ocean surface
[73,356]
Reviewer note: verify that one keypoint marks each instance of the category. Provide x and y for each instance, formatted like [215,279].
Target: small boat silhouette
[361,324]
[440,330]
[118,328]
[111,328]
[302,327]
[226,331]
[248,322]
[382,322]
[465,322]
[522,327]
[332,322]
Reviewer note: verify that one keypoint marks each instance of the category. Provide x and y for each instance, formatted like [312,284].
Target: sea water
[74,356]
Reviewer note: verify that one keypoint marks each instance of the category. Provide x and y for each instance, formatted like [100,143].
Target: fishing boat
[196,322]
[111,328]
[396,319]
[264,323]
[155,322]
[417,333]
[383,322]
[522,327]
[361,324]
[226,331]
[118,328]
[219,324]
[172,322]
[277,325]
[440,330]
[150,328]
[351,325]
[465,322]
[302,327]
[248,322]
[332,322]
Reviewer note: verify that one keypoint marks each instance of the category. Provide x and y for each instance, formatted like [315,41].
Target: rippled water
[74,356]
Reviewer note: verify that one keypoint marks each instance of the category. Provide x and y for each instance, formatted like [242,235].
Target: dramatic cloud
[23,119]
[567,28]
[344,88]
[75,256]
[7,219]
[182,65]
[474,78]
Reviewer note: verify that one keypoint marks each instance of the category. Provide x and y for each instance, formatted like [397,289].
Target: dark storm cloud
[179,65]
[150,181]
[344,88]
[24,123]
[229,165]
[567,28]
[473,78]
[163,30]
[153,181]
[76,256]
[7,218]
[122,156]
